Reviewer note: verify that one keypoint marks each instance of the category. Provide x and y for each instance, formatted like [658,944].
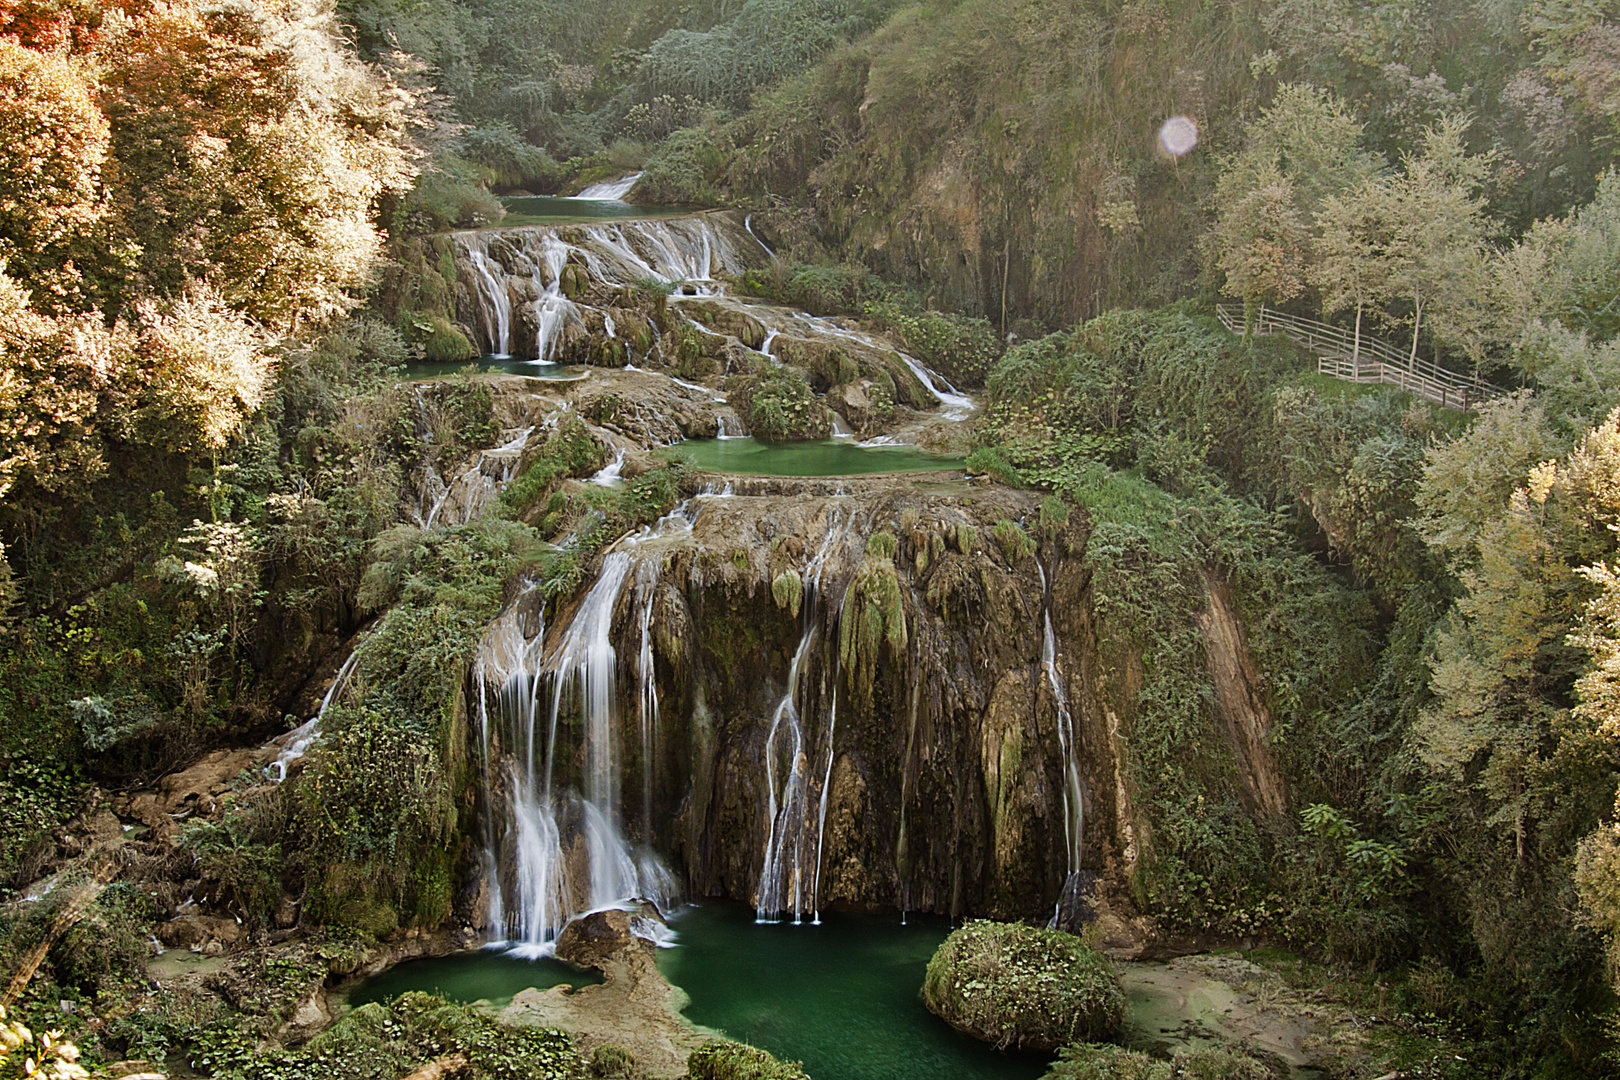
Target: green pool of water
[480,975]
[550,210]
[830,457]
[842,997]
[496,363]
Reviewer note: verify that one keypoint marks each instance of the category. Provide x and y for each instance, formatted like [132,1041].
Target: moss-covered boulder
[1103,1062]
[780,405]
[1015,985]
[737,1061]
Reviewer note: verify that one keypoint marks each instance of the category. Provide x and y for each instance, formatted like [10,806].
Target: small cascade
[296,743]
[730,427]
[611,190]
[748,226]
[608,475]
[717,398]
[479,484]
[523,285]
[788,880]
[494,304]
[520,286]
[840,429]
[559,850]
[1074,796]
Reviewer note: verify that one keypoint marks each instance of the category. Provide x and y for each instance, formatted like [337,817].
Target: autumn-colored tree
[250,150]
[53,142]
[1354,232]
[1438,239]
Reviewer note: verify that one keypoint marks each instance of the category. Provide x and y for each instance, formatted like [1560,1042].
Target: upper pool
[828,457]
[534,369]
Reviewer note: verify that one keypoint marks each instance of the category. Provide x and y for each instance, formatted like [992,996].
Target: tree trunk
[1355,350]
[1417,324]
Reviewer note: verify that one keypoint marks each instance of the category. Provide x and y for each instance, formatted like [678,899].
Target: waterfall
[748,225]
[608,475]
[610,190]
[540,712]
[479,484]
[495,305]
[787,881]
[296,743]
[524,285]
[1074,814]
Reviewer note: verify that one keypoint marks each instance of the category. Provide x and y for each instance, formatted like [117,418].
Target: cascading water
[525,286]
[474,488]
[611,190]
[1074,795]
[494,304]
[559,849]
[296,743]
[788,879]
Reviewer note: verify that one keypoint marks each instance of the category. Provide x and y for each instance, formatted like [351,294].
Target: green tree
[1354,232]
[1438,240]
[1259,241]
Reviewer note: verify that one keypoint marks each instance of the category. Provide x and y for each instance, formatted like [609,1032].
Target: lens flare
[1178,135]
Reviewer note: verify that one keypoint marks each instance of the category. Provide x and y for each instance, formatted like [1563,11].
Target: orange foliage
[53,142]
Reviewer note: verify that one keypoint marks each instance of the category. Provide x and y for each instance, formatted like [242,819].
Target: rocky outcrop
[1242,706]
[932,781]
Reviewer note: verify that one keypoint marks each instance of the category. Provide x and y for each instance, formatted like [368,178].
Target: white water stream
[561,849]
[1074,795]
[790,874]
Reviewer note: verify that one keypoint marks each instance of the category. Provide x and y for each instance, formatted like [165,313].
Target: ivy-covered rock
[1018,986]
[782,407]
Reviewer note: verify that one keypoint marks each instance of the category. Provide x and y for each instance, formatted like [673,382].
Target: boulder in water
[1015,985]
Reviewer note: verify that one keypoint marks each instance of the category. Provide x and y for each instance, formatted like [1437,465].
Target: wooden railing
[1374,362]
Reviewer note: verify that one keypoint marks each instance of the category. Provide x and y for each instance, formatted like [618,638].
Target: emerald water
[844,997]
[480,975]
[828,457]
[551,210]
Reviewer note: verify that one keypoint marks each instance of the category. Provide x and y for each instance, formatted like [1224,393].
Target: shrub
[1015,985]
[1015,543]
[962,349]
[442,343]
[682,171]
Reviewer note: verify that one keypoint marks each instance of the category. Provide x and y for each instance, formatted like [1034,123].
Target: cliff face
[923,774]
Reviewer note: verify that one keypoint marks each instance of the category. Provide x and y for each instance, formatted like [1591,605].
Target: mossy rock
[1015,985]
[736,1061]
[1104,1062]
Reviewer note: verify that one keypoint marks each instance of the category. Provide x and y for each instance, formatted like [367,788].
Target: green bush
[735,1061]
[442,343]
[684,169]
[383,1042]
[1018,986]
[961,348]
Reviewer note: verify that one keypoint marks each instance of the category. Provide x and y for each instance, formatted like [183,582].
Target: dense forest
[228,245]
